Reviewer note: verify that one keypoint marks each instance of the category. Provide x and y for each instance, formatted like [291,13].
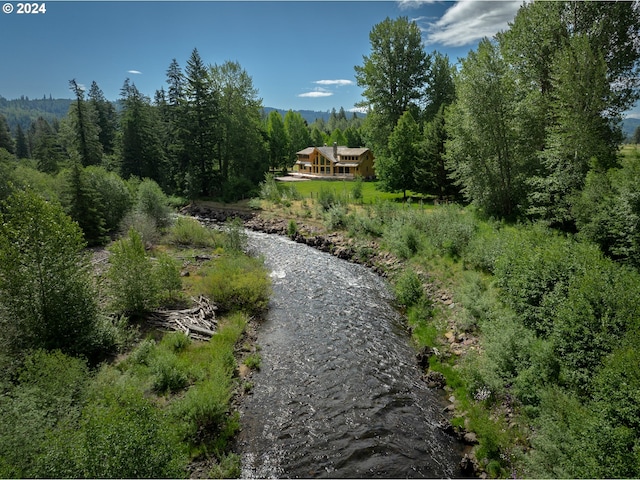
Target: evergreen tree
[106,118]
[140,145]
[431,174]
[278,141]
[298,134]
[636,136]
[22,147]
[199,127]
[85,128]
[82,202]
[6,141]
[45,146]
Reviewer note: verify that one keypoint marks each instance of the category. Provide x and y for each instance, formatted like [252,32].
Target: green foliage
[168,374]
[235,238]
[167,277]
[114,196]
[450,229]
[82,201]
[408,288]
[127,437]
[188,231]
[292,228]
[38,415]
[277,192]
[356,189]
[132,282]
[47,292]
[235,283]
[153,202]
[142,223]
[253,361]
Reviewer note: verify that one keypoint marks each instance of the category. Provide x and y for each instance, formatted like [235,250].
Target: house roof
[327,152]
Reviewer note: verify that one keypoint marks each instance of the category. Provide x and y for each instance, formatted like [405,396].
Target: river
[339,393]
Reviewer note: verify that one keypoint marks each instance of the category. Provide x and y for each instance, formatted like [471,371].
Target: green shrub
[126,436]
[404,239]
[235,238]
[292,228]
[167,276]
[132,282]
[253,361]
[142,223]
[203,409]
[168,375]
[115,197]
[336,217]
[188,231]
[327,198]
[143,352]
[408,288]
[450,229]
[175,342]
[235,283]
[153,202]
[45,278]
[356,189]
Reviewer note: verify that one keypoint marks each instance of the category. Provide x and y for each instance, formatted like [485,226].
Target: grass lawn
[311,189]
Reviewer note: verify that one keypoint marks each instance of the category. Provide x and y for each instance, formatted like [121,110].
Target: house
[334,162]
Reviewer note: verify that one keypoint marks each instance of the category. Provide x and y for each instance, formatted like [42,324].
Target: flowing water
[339,393]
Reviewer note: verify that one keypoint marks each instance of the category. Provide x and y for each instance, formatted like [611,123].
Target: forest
[539,241]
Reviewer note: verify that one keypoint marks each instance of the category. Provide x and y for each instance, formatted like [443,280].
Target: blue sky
[300,54]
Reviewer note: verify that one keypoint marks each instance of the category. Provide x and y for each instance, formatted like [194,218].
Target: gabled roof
[327,152]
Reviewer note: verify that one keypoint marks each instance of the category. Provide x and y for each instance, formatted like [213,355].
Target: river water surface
[339,393]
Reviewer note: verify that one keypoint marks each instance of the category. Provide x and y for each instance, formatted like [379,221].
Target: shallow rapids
[339,393]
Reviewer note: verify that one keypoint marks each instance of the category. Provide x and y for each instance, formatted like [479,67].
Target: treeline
[204,135]
[528,123]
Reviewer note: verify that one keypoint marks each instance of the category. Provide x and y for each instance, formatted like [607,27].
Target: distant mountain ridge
[24,110]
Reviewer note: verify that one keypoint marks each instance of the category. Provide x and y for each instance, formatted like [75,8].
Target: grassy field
[344,189]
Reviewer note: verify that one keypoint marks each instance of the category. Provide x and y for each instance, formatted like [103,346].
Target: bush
[235,238]
[143,224]
[167,277]
[292,228]
[408,288]
[168,376]
[188,231]
[235,283]
[153,202]
[132,282]
[45,280]
[404,239]
[450,229]
[336,217]
[203,409]
[115,197]
[127,437]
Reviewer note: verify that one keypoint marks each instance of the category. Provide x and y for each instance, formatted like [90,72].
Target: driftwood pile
[198,322]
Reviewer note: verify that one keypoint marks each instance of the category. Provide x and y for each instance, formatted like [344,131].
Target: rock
[423,356]
[450,336]
[468,465]
[435,380]
[470,438]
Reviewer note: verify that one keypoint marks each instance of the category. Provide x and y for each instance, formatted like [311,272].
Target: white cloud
[408,4]
[469,21]
[134,72]
[316,94]
[339,83]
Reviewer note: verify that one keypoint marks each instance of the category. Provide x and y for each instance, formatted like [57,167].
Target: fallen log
[198,322]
